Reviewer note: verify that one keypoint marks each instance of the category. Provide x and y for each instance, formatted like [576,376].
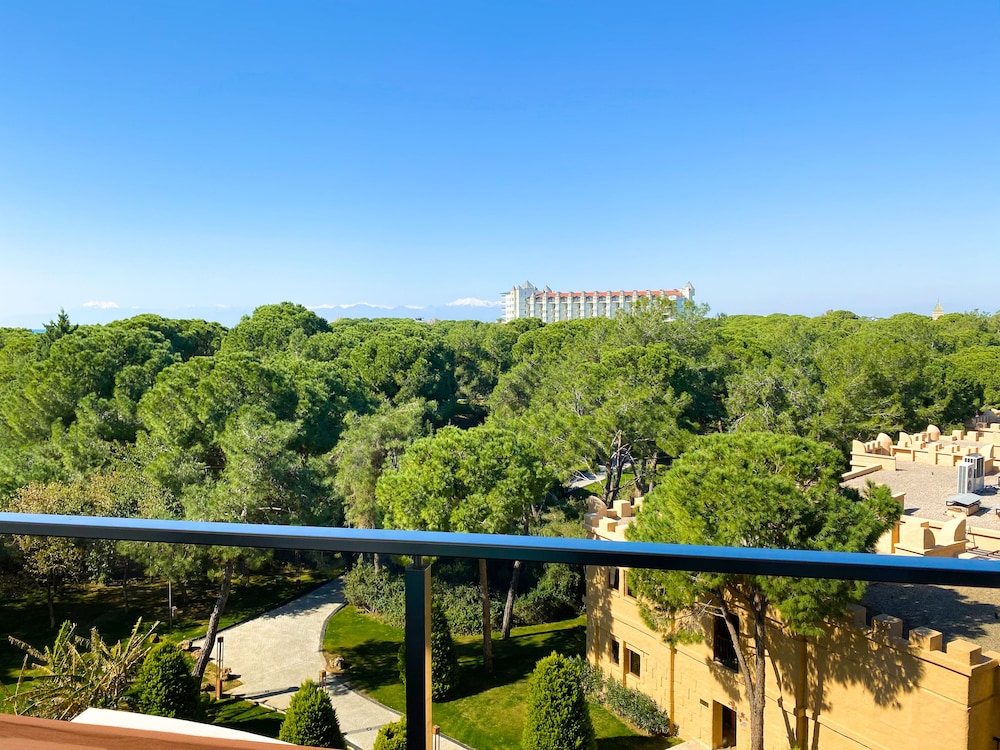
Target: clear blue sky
[194,158]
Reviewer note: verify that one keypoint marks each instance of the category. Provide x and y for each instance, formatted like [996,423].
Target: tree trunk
[125,586]
[508,610]
[213,621]
[484,595]
[49,595]
[753,678]
[614,469]
[757,696]
[515,577]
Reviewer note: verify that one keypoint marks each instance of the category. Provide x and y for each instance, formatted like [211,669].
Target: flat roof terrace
[928,487]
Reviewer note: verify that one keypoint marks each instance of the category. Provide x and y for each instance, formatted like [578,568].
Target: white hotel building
[526,301]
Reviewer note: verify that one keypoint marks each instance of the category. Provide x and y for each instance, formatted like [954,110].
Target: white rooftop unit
[971,473]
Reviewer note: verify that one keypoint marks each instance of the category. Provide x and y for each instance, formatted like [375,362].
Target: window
[628,586]
[616,651]
[723,650]
[634,663]
[614,577]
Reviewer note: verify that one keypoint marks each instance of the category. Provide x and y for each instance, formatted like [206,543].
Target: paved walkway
[274,653]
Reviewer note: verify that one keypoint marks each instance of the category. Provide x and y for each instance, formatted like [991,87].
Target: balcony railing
[420,545]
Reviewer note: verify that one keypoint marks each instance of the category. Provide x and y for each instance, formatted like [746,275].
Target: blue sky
[198,159]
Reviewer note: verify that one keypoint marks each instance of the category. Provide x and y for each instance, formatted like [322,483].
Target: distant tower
[937,312]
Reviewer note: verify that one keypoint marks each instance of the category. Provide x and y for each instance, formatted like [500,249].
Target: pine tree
[558,716]
[311,720]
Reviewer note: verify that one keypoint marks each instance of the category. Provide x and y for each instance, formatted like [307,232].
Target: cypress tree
[444,661]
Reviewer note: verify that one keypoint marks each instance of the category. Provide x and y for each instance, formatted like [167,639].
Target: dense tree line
[288,418]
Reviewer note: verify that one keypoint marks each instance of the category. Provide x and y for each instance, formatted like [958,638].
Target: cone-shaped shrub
[311,720]
[164,685]
[392,736]
[558,717]
[444,661]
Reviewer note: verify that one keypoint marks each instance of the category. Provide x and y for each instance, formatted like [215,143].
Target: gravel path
[274,653]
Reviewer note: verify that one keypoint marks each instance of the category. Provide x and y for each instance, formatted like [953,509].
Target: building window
[723,650]
[614,578]
[634,663]
[616,651]
[628,585]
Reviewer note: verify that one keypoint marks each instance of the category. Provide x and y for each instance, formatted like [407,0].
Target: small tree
[76,673]
[558,716]
[165,686]
[311,720]
[444,662]
[392,736]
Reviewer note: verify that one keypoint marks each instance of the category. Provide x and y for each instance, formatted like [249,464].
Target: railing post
[418,655]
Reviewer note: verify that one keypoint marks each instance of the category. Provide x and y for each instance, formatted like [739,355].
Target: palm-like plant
[76,673]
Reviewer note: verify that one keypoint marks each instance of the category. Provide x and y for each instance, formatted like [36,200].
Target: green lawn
[245,716]
[487,712]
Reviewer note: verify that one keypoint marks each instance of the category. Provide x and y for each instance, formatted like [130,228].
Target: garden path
[272,654]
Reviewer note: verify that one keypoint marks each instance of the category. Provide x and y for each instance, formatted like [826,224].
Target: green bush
[591,679]
[555,597]
[392,736]
[381,594]
[637,708]
[311,720]
[444,661]
[630,704]
[462,604]
[164,685]
[558,717]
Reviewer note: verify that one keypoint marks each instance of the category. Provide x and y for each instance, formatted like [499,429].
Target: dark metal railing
[419,545]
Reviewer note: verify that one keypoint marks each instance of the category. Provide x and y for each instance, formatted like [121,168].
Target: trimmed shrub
[558,717]
[311,720]
[164,685]
[392,736]
[444,662]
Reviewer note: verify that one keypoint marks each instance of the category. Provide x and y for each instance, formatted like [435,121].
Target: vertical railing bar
[418,655]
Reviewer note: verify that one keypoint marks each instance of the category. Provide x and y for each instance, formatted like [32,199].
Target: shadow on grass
[632,743]
[245,716]
[373,664]
[513,659]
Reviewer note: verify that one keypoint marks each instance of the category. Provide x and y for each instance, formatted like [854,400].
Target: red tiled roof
[634,293]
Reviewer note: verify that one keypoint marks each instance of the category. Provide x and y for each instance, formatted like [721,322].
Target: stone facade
[865,684]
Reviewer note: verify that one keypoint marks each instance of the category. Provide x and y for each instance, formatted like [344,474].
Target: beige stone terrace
[926,488]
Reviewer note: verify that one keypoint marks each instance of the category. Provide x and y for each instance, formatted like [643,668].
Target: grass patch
[487,711]
[245,716]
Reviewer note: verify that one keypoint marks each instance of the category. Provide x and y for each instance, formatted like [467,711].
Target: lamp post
[218,663]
